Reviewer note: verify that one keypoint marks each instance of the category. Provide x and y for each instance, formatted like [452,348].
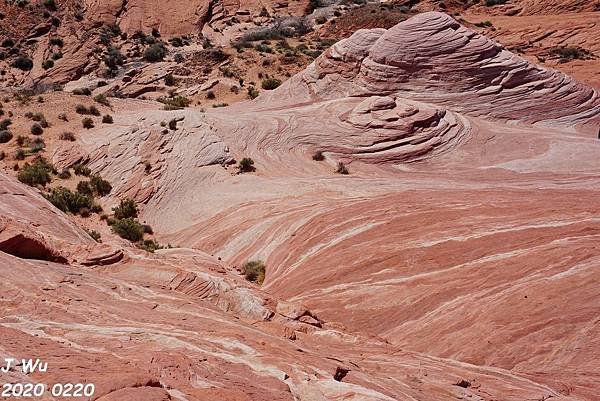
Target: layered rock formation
[457,260]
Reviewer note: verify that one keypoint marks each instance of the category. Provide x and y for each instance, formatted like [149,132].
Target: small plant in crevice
[342,169]
[318,156]
[246,165]
[254,271]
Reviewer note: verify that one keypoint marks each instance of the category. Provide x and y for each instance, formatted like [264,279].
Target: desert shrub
[4,124]
[93,110]
[57,56]
[210,95]
[148,229]
[491,3]
[129,229]
[126,209]
[5,136]
[37,145]
[342,169]
[175,103]
[100,186]
[87,123]
[314,4]
[176,42]
[318,156]
[64,175]
[85,188]
[8,43]
[47,64]
[102,99]
[220,105]
[113,58]
[263,48]
[246,165]
[254,271]
[252,92]
[56,41]
[178,58]
[67,136]
[23,63]
[321,19]
[50,5]
[95,235]
[173,124]
[22,140]
[149,245]
[81,109]
[155,52]
[19,155]
[270,83]
[80,169]
[36,129]
[484,24]
[84,92]
[569,53]
[107,119]
[170,80]
[69,201]
[37,173]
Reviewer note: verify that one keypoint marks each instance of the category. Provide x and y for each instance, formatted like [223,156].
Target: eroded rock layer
[457,259]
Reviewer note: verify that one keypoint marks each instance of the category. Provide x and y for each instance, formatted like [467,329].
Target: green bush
[5,136]
[255,271]
[56,41]
[84,92]
[155,52]
[36,129]
[95,235]
[107,119]
[67,136]
[4,124]
[102,99]
[129,229]
[87,123]
[23,63]
[8,43]
[47,64]
[149,245]
[126,209]
[85,188]
[246,165]
[50,5]
[37,145]
[113,58]
[252,92]
[271,83]
[80,169]
[69,201]
[175,103]
[37,173]
[100,186]
[170,80]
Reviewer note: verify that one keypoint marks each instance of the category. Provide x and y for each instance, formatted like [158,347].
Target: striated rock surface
[458,259]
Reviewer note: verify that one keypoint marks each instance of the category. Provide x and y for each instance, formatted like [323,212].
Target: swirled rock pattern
[458,259]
